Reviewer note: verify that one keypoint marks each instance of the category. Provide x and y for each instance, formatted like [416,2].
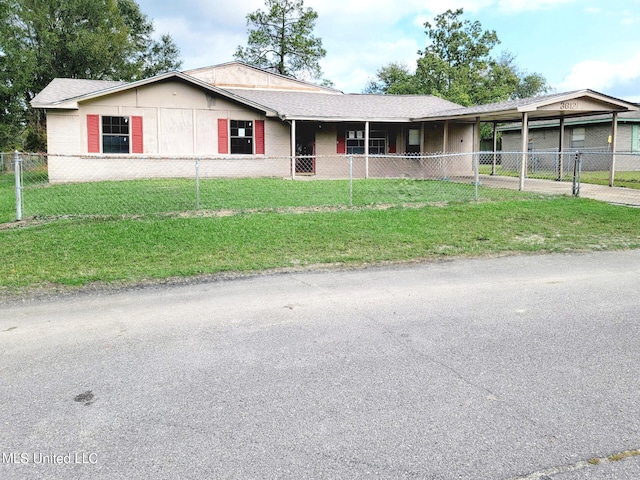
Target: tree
[528,84]
[91,39]
[457,65]
[394,79]
[281,40]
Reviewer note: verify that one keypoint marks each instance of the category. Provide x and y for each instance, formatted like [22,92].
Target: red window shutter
[137,144]
[223,135]
[259,133]
[93,133]
[342,142]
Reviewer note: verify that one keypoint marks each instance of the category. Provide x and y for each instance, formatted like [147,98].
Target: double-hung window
[377,142]
[241,137]
[356,141]
[115,135]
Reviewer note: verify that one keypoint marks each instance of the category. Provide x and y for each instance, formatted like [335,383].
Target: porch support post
[366,149]
[445,139]
[495,148]
[422,139]
[614,135]
[525,144]
[561,150]
[293,149]
[476,135]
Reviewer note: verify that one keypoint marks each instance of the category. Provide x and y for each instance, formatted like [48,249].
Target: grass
[81,251]
[622,179]
[7,198]
[120,232]
[141,197]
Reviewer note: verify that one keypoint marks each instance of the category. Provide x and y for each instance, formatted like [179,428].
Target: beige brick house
[244,121]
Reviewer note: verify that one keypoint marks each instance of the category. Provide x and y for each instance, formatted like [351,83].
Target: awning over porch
[558,105]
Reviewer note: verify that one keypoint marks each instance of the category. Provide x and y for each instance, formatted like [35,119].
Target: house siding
[596,136]
[178,121]
[66,132]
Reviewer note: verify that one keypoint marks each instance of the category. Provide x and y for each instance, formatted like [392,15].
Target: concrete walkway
[617,195]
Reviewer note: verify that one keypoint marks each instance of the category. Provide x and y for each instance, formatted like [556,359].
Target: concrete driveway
[501,368]
[617,195]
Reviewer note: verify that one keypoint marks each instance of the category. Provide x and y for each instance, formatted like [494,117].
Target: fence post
[577,171]
[17,170]
[612,170]
[476,172]
[197,184]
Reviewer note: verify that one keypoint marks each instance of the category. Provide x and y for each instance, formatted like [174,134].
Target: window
[109,134]
[115,134]
[242,137]
[377,142]
[355,142]
[577,138]
[414,137]
[413,140]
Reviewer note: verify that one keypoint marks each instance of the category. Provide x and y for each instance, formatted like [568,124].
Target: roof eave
[343,119]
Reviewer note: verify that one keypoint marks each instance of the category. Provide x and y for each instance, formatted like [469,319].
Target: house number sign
[569,106]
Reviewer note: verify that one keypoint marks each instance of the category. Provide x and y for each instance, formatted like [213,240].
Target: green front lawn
[130,250]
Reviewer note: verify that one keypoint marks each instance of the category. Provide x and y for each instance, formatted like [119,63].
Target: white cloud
[515,6]
[602,75]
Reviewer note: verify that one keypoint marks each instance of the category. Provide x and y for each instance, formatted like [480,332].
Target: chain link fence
[116,185]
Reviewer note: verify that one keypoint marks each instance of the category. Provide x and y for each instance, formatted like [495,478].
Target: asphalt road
[509,368]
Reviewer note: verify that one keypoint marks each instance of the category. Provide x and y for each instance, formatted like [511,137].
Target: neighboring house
[581,133]
[590,135]
[245,121]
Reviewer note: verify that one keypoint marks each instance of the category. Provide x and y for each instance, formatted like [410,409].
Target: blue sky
[574,43]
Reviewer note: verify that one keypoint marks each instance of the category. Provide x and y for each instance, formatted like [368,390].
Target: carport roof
[578,103]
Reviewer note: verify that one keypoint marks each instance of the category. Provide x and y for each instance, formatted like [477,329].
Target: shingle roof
[304,105]
[504,106]
[61,89]
[537,107]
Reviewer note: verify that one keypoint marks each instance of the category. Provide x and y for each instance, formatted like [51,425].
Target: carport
[558,106]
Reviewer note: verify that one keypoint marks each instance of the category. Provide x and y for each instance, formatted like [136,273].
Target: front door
[306,149]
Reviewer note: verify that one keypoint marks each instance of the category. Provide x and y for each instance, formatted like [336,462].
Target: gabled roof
[65,94]
[566,104]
